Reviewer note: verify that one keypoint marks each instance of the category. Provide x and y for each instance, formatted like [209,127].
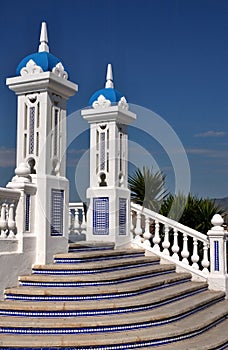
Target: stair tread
[120,288]
[193,323]
[214,338]
[93,244]
[98,264]
[100,276]
[100,253]
[152,299]
[157,314]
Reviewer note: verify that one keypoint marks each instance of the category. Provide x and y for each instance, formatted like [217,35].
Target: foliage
[147,188]
[192,211]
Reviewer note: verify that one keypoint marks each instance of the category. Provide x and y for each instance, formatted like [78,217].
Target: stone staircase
[96,297]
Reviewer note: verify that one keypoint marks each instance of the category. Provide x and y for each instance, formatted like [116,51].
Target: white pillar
[218,278]
[108,216]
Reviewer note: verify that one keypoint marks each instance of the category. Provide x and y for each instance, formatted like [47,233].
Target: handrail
[172,223]
[9,194]
[190,255]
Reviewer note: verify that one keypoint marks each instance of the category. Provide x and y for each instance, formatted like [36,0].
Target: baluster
[138,229]
[147,235]
[156,239]
[3,221]
[70,223]
[175,247]
[77,225]
[132,222]
[205,262]
[83,224]
[166,242]
[185,252]
[195,255]
[11,221]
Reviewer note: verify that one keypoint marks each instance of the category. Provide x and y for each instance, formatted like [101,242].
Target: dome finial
[43,38]
[109,77]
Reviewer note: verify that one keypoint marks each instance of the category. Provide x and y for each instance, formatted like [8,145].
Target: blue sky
[169,56]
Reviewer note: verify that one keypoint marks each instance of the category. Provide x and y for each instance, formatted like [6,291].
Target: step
[98,255]
[126,289]
[96,266]
[99,307]
[214,338]
[161,315]
[90,246]
[183,328]
[100,278]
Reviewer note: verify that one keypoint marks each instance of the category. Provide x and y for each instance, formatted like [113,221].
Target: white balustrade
[8,204]
[172,240]
[77,218]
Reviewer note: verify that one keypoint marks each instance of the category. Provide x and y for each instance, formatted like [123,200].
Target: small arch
[55,167]
[103,178]
[33,99]
[31,164]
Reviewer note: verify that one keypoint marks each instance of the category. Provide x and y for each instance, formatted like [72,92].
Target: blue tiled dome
[44,59]
[109,93]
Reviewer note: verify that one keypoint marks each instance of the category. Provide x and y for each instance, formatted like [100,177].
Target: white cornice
[113,113]
[41,82]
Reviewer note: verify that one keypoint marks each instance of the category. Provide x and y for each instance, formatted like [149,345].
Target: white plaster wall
[15,264]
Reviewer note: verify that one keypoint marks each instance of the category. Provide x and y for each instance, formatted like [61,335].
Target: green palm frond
[147,188]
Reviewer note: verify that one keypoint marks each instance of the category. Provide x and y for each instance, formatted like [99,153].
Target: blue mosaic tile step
[72,260]
[111,311]
[117,328]
[11,296]
[37,271]
[50,284]
[130,345]
[86,249]
[85,246]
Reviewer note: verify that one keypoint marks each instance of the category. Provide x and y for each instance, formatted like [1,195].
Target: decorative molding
[59,71]
[30,68]
[123,103]
[101,102]
[32,99]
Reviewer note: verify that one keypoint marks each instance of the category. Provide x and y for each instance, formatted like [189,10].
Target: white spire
[43,38]
[109,77]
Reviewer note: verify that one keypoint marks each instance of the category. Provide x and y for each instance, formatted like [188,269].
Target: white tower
[42,88]
[108,217]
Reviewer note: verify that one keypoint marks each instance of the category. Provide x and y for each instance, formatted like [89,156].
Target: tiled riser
[91,297]
[80,313]
[56,331]
[134,345]
[73,250]
[76,261]
[88,272]
[84,284]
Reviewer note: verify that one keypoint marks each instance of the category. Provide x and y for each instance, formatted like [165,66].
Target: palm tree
[147,188]
[196,213]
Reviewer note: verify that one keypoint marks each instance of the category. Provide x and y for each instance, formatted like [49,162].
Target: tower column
[108,216]
[43,88]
